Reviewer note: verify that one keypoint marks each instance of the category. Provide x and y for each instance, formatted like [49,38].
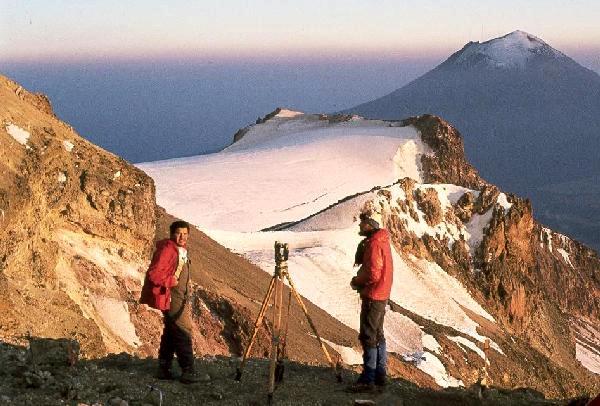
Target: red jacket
[374,278]
[156,291]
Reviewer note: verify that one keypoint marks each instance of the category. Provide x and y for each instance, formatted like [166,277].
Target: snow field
[321,266]
[288,176]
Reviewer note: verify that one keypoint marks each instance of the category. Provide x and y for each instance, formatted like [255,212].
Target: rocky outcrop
[37,100]
[260,120]
[77,227]
[429,203]
[448,163]
[512,237]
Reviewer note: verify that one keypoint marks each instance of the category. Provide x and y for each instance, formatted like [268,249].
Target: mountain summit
[530,117]
[514,50]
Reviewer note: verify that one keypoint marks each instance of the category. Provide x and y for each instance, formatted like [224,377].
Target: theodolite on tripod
[278,343]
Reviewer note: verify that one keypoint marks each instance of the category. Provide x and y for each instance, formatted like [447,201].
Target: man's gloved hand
[353,285]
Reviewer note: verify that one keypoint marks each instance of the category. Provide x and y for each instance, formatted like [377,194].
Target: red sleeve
[372,268]
[162,267]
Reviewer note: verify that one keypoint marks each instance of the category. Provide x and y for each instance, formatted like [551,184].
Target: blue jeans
[372,339]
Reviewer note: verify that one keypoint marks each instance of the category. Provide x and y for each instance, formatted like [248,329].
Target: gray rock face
[530,117]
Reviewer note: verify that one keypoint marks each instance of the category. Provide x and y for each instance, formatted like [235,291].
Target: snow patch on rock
[68,145]
[464,343]
[349,355]
[546,237]
[502,200]
[101,300]
[476,229]
[589,358]
[115,314]
[284,113]
[587,346]
[431,344]
[565,256]
[20,135]
[433,367]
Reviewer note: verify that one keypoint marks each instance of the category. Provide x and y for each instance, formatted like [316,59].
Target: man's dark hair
[178,224]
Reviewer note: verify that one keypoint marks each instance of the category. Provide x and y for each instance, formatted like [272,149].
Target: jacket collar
[380,235]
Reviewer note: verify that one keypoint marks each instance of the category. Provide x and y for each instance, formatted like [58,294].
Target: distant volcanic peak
[511,50]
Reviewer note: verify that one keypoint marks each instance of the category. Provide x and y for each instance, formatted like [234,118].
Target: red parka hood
[380,235]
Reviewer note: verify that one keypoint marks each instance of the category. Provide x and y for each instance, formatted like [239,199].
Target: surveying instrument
[278,342]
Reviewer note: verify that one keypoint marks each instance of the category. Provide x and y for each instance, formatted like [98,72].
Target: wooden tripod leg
[275,340]
[314,328]
[257,324]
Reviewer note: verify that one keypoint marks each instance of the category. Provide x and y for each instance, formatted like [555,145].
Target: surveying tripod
[278,344]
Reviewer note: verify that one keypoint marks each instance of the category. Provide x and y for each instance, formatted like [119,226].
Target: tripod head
[281,252]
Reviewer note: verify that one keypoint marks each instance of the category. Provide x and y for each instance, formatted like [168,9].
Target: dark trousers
[371,337]
[175,340]
[371,322]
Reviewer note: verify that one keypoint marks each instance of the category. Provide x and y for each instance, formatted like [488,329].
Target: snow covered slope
[284,170]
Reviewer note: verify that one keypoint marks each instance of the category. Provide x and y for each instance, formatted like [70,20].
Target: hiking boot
[380,380]
[164,371]
[361,387]
[165,375]
[189,376]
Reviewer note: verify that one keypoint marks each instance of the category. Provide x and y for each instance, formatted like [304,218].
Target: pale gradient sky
[108,29]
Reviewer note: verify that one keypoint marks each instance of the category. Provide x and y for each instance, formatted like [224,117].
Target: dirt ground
[122,379]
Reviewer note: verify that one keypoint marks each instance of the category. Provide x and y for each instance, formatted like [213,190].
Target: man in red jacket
[166,288]
[374,282]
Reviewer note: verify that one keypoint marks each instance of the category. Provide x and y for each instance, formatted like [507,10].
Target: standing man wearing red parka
[166,288]
[374,282]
